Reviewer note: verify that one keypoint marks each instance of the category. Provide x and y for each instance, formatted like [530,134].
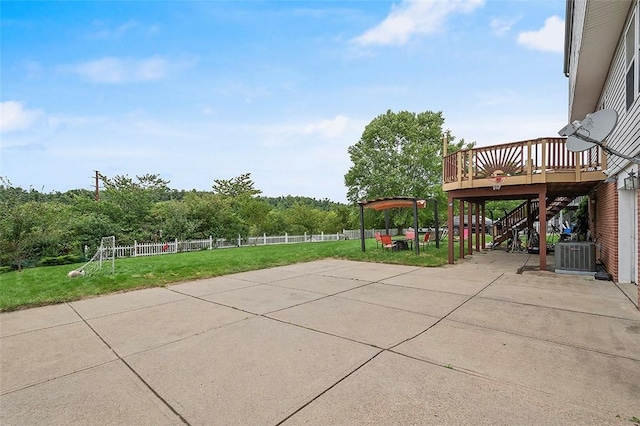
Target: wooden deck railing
[531,159]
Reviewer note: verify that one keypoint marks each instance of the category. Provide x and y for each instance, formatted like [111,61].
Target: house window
[630,55]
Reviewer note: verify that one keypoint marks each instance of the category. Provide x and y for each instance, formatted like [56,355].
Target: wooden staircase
[518,217]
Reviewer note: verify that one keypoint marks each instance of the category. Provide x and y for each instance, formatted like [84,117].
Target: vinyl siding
[626,136]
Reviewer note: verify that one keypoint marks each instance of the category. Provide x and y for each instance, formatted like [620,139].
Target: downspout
[568,26]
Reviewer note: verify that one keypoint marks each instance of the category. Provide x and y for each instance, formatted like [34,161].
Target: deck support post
[542,215]
[530,215]
[416,239]
[484,226]
[470,207]
[478,225]
[450,229]
[461,230]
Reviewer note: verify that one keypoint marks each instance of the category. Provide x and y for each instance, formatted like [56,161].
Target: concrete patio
[332,342]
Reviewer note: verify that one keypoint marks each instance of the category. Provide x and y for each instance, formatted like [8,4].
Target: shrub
[60,260]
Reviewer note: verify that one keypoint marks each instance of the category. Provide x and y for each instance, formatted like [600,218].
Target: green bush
[60,260]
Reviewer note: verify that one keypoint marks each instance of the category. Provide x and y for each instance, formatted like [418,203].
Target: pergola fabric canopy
[392,202]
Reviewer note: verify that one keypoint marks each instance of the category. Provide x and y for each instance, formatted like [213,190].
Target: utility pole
[97,186]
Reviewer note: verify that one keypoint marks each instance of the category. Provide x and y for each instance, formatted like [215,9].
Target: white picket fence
[354,234]
[175,246]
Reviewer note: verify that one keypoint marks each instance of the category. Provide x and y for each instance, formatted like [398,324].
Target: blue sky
[197,91]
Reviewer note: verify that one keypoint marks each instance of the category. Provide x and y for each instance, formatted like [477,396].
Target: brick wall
[606,226]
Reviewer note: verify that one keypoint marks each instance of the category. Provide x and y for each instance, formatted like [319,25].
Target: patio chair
[409,236]
[387,242]
[377,235]
[426,240]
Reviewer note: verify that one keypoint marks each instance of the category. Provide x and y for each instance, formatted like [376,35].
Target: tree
[582,216]
[54,230]
[18,224]
[254,212]
[171,220]
[399,154]
[276,222]
[242,197]
[19,232]
[30,226]
[88,228]
[347,217]
[236,187]
[302,218]
[214,216]
[133,200]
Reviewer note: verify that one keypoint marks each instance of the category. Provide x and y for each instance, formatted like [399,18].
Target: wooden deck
[537,161]
[539,169]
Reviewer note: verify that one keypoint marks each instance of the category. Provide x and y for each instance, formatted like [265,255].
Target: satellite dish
[598,125]
[575,144]
[591,131]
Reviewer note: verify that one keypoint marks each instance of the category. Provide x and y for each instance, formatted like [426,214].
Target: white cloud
[489,129]
[502,97]
[150,69]
[116,70]
[13,116]
[328,128]
[549,38]
[414,17]
[501,26]
[131,28]
[281,135]
[246,91]
[58,122]
[112,33]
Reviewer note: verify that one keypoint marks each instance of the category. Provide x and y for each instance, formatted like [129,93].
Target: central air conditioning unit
[575,257]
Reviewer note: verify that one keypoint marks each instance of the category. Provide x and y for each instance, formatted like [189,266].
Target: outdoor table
[404,244]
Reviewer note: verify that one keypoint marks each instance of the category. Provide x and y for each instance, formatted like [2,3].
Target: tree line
[50,228]
[398,154]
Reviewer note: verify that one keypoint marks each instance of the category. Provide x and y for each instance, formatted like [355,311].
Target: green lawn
[48,285]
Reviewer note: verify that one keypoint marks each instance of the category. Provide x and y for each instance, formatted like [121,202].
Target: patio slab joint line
[324,296]
[303,406]
[555,342]
[272,284]
[367,283]
[140,308]
[39,329]
[254,313]
[173,410]
[217,303]
[449,313]
[626,295]
[2,393]
[496,299]
[381,349]
[326,333]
